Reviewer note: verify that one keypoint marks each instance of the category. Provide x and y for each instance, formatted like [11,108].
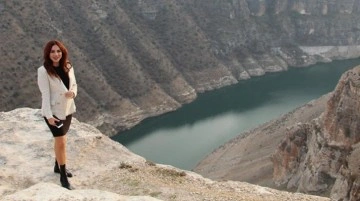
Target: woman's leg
[60,149]
[60,153]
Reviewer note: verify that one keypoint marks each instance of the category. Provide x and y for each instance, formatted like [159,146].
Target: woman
[57,84]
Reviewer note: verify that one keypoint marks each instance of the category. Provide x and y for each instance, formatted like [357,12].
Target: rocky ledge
[103,169]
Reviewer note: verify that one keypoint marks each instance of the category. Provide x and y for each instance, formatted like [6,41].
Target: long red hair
[64,61]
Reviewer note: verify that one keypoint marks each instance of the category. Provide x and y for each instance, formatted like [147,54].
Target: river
[183,137]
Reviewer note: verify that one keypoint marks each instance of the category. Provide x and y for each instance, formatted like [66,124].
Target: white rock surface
[50,191]
[27,158]
[103,169]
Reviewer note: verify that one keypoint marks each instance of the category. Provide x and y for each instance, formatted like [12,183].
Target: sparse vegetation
[171,172]
[126,53]
[150,163]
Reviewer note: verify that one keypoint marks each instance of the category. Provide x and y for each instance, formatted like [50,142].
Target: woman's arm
[44,86]
[73,86]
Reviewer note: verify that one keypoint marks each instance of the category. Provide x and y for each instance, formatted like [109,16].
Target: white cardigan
[53,97]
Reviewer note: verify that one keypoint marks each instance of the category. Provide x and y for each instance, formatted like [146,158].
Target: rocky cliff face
[134,59]
[322,156]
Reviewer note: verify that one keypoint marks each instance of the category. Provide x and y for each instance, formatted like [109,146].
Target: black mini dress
[57,132]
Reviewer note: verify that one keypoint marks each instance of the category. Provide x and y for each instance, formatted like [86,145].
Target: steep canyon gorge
[136,59]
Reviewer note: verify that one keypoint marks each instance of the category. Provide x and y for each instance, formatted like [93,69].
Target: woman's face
[55,55]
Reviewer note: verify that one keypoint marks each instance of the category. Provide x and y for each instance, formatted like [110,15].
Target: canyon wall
[134,59]
[322,156]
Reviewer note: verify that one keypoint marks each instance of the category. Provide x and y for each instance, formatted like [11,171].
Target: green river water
[184,137]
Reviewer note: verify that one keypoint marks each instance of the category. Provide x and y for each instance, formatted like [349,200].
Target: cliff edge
[103,169]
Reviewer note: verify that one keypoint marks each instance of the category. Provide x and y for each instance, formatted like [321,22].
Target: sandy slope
[247,157]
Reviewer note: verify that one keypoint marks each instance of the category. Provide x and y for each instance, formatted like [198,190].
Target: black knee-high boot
[57,169]
[64,179]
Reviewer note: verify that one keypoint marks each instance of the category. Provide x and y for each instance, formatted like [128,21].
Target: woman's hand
[69,94]
[52,121]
